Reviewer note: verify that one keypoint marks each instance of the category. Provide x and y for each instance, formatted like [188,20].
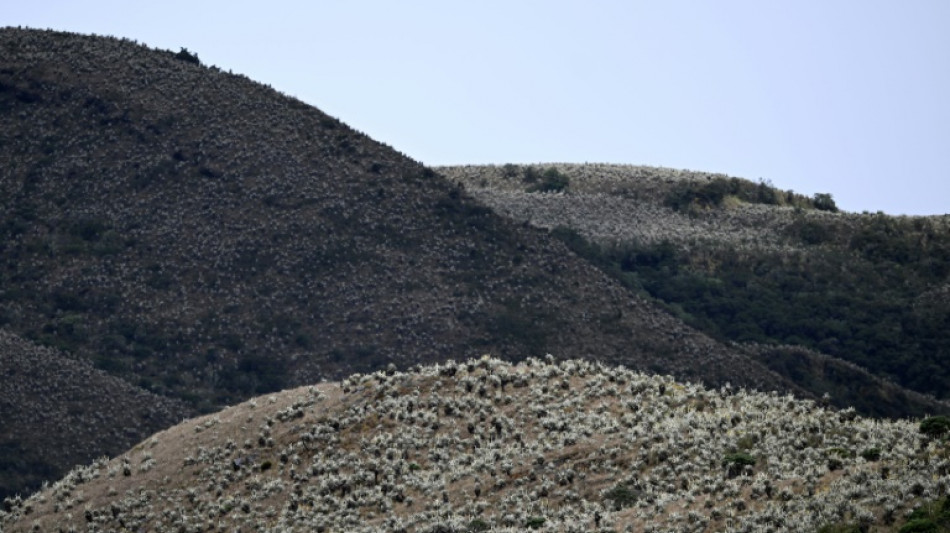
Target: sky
[847,97]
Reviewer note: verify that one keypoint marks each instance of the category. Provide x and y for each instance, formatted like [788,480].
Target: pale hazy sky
[846,97]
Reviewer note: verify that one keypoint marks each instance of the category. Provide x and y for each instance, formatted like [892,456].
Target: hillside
[749,263]
[484,445]
[206,238]
[54,410]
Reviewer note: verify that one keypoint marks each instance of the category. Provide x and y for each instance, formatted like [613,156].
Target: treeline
[716,192]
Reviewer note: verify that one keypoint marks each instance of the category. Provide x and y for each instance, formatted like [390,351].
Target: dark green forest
[872,293]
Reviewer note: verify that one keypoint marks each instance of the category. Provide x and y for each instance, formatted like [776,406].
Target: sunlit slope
[479,445]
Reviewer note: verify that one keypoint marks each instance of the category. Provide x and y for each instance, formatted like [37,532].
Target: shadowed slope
[54,411]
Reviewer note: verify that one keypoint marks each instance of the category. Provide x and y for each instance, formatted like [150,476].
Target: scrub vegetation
[486,445]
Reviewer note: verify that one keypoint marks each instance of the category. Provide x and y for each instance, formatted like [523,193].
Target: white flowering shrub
[568,446]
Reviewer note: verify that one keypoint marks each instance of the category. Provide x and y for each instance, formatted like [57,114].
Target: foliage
[623,495]
[739,459]
[935,426]
[824,202]
[477,525]
[871,454]
[919,525]
[845,527]
[529,175]
[188,57]
[930,517]
[535,522]
[551,180]
[509,171]
[688,195]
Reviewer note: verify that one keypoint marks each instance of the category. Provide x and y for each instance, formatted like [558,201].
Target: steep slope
[484,445]
[749,263]
[55,411]
[207,238]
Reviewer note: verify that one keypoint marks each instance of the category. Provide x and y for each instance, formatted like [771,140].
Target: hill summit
[486,445]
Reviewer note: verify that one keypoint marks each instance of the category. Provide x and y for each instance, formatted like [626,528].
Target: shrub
[871,454]
[835,464]
[824,202]
[736,462]
[535,522]
[530,175]
[746,442]
[811,231]
[709,194]
[623,496]
[551,181]
[688,195]
[932,516]
[185,55]
[478,525]
[841,452]
[919,525]
[842,528]
[935,426]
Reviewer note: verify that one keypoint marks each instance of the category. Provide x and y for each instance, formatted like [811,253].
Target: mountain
[752,264]
[207,239]
[485,445]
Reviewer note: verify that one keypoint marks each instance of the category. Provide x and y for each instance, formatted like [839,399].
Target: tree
[824,202]
[935,426]
[187,56]
[551,181]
